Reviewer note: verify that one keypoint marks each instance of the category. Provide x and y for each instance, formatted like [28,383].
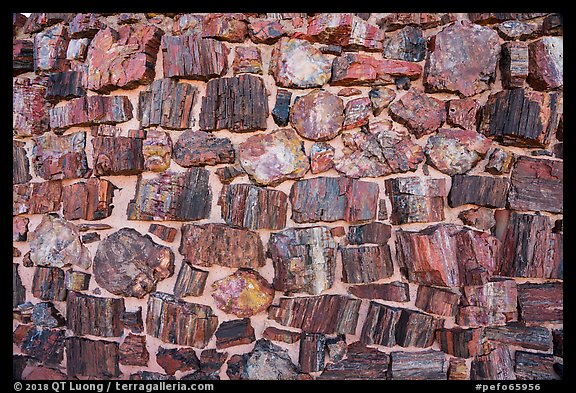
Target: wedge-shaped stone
[521,117]
[172,196]
[179,322]
[190,281]
[462,59]
[168,104]
[297,63]
[361,363]
[97,316]
[537,184]
[234,332]
[91,200]
[56,242]
[416,200]
[422,114]
[463,343]
[327,314]
[377,150]
[130,264]
[496,365]
[274,334]
[92,358]
[479,190]
[31,111]
[249,206]
[192,57]
[353,69]
[531,248]
[220,244]
[536,337]
[366,263]
[332,199]
[90,110]
[421,365]
[493,303]
[122,58]
[238,103]
[304,259]
[541,303]
[396,291]
[243,293]
[534,366]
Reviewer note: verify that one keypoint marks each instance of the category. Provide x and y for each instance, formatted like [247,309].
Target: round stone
[318,115]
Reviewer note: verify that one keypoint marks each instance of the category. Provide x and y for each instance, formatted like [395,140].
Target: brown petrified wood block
[421,365]
[179,322]
[234,332]
[128,263]
[168,104]
[361,363]
[122,58]
[168,234]
[90,110]
[190,281]
[267,361]
[416,200]
[220,244]
[132,320]
[238,103]
[92,358]
[174,359]
[514,64]
[437,300]
[199,148]
[454,255]
[64,86]
[253,207]
[458,370]
[460,342]
[44,344]
[22,56]
[332,199]
[18,290]
[520,117]
[192,57]
[91,200]
[311,353]
[172,196]
[243,293]
[60,157]
[77,280]
[479,190]
[366,263]
[118,155]
[352,69]
[317,314]
[283,335]
[537,184]
[422,114]
[531,337]
[318,115]
[541,302]
[37,198]
[493,303]
[133,352]
[97,316]
[304,259]
[373,232]
[463,113]
[29,107]
[496,365]
[346,30]
[20,163]
[48,284]
[534,366]
[545,66]
[396,291]
[531,247]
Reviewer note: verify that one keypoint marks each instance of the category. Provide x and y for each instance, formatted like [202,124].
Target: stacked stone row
[372,196]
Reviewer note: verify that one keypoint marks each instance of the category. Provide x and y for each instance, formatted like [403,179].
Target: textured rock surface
[91,200]
[172,196]
[281,110]
[97,316]
[133,352]
[500,161]
[405,44]
[493,303]
[267,361]
[219,244]
[22,56]
[496,365]
[89,110]
[538,338]
[541,302]
[366,263]
[296,63]
[460,342]
[395,291]
[361,363]
[345,30]
[416,200]
[30,109]
[119,155]
[318,115]
[157,150]
[50,49]
[380,98]
[537,366]
[234,332]
[243,293]
[199,148]
[321,157]
[130,264]
[332,199]
[356,113]
[304,259]
[64,85]
[422,114]
[92,358]
[362,69]
[454,151]
[174,359]
[462,59]
[274,157]
[463,113]
[514,64]
[423,365]
[545,67]
[481,218]
[479,190]
[247,59]
[374,232]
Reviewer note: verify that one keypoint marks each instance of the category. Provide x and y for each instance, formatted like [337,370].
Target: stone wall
[287,196]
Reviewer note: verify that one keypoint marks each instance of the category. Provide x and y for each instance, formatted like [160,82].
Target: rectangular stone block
[190,281]
[64,86]
[48,284]
[30,110]
[234,332]
[311,353]
[366,263]
[416,200]
[118,155]
[91,200]
[541,303]
[531,337]
[20,163]
[97,316]
[396,291]
[514,64]
[479,190]
[534,366]
[463,343]
[436,300]
[37,198]
[92,358]
[421,365]
[361,363]
[22,56]
[90,110]
[496,365]
[493,303]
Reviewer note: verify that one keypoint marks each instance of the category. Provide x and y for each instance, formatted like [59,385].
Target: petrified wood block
[361,363]
[496,365]
[220,244]
[174,359]
[50,49]
[366,263]
[118,155]
[172,196]
[243,293]
[537,184]
[234,332]
[132,320]
[30,109]
[283,335]
[520,117]
[327,314]
[437,300]
[318,115]
[122,58]
[167,103]
[373,232]
[362,69]
[192,57]
[416,200]
[481,218]
[463,343]
[541,302]
[18,290]
[267,361]
[422,114]
[321,157]
[60,157]
[20,228]
[531,337]
[463,113]
[20,163]
[133,352]
[85,25]
[396,291]
[311,353]
[304,259]
[249,206]
[97,316]
[546,63]
[332,199]
[558,342]
[92,358]
[247,59]
[130,264]
[479,190]
[531,248]
[346,30]
[281,110]
[64,86]
[534,366]
[179,322]
[199,148]
[22,56]
[238,103]
[168,234]
[76,280]
[157,150]
[514,64]
[44,344]
[356,113]
[458,370]
[493,303]
[90,110]
[91,200]
[227,174]
[406,44]
[211,360]
[422,365]
[229,27]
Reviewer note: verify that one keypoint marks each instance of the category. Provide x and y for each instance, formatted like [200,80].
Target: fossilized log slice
[90,110]
[97,316]
[531,337]
[190,281]
[234,332]
[366,263]
[422,365]
[243,293]
[130,264]
[479,190]
[361,363]
[460,342]
[48,284]
[91,200]
[541,302]
[496,365]
[92,358]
